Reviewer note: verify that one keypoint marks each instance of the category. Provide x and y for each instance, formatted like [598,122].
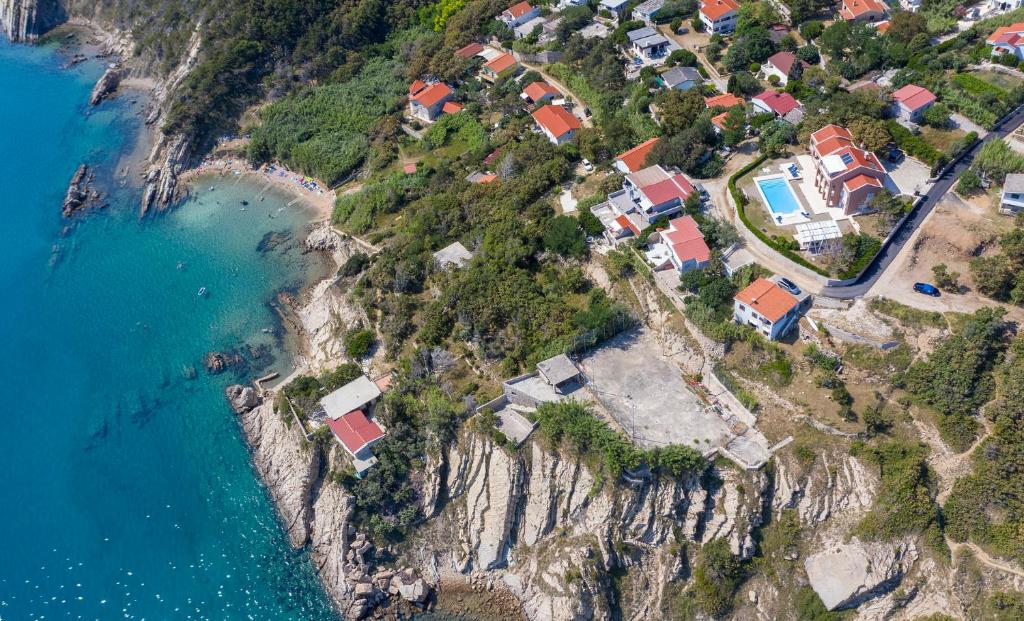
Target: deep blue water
[126,489]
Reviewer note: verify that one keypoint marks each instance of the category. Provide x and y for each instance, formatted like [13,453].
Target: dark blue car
[925,288]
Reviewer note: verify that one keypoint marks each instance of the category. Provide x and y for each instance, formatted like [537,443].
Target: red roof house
[727,100]
[469,51]
[634,159]
[685,243]
[427,103]
[557,124]
[767,308]
[779,104]
[1008,40]
[783,65]
[355,431]
[862,11]
[539,92]
[450,107]
[847,176]
[911,101]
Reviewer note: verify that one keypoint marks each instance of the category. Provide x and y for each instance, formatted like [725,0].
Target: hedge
[912,145]
[741,203]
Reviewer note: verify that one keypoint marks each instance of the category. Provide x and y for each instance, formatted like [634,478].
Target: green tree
[743,84]
[775,136]
[945,279]
[937,116]
[358,342]
[565,237]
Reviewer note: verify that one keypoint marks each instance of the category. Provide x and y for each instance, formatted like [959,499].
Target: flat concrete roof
[352,396]
[558,369]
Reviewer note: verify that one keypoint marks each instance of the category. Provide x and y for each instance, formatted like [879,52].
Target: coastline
[304,189]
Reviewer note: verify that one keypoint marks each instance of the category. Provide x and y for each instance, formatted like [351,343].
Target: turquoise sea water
[126,491]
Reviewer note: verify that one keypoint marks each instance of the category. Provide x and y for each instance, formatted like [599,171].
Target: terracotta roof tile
[768,299]
[634,158]
[556,120]
[434,93]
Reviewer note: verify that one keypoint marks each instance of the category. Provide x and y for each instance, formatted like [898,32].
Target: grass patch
[907,315]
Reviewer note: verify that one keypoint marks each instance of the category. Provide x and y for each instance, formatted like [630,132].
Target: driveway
[908,176]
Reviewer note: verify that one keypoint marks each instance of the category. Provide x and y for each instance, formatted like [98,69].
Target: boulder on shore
[242,398]
[106,85]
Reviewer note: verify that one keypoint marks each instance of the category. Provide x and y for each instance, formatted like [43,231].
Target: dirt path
[985,558]
[587,122]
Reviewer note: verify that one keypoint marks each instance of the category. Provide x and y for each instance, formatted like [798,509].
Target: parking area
[907,176]
[646,394]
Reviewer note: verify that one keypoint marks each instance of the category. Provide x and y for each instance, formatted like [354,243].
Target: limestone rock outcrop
[26,20]
[242,398]
[106,85]
[848,574]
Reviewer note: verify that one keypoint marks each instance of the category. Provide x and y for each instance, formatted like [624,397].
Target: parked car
[587,166]
[704,196]
[927,289]
[789,285]
[895,156]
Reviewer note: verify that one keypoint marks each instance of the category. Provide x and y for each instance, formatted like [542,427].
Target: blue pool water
[780,197]
[127,490]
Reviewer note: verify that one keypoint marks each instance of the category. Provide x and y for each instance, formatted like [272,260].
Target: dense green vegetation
[324,131]
[716,577]
[904,505]
[987,506]
[571,426]
[956,379]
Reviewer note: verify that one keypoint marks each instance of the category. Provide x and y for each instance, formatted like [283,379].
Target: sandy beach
[305,189]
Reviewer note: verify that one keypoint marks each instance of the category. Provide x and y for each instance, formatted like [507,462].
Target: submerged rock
[242,398]
[217,362]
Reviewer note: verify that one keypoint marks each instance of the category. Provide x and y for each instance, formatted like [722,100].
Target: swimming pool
[778,195]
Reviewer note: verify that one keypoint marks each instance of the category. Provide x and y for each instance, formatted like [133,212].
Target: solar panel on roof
[847,158]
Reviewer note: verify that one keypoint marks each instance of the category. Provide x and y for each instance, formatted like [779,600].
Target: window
[742,307]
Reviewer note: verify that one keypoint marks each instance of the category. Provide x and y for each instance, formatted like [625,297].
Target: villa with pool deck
[813,196]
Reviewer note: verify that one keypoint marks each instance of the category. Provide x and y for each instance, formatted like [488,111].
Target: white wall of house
[745,315]
[723,25]
[771,70]
[906,114]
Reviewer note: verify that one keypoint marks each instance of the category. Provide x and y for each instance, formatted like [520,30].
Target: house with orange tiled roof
[427,102]
[501,66]
[864,11]
[766,307]
[681,247]
[539,92]
[719,16]
[635,159]
[518,14]
[727,100]
[557,124]
[846,176]
[1007,40]
[910,102]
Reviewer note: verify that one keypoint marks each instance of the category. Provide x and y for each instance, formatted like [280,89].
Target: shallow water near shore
[127,488]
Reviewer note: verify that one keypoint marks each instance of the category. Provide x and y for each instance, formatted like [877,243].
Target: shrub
[353,265]
[358,342]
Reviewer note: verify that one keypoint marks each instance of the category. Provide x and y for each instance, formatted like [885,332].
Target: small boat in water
[202,292]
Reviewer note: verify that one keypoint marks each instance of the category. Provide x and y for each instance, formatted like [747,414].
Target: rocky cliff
[26,20]
[538,524]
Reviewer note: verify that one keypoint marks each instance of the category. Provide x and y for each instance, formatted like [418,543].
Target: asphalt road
[933,196]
